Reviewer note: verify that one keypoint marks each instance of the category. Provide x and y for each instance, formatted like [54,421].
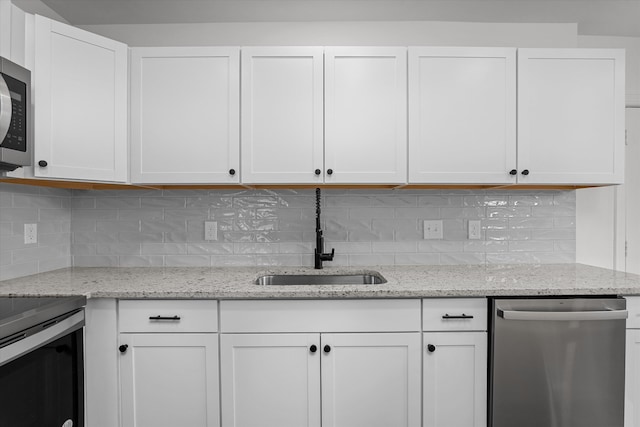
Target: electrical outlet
[211,230]
[433,229]
[475,229]
[30,234]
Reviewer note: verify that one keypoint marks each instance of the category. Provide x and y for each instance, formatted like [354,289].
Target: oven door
[42,377]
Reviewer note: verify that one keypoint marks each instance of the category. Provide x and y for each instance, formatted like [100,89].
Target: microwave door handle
[5,109]
[563,315]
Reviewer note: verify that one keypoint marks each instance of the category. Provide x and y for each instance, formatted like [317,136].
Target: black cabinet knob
[513,172]
[232,171]
[327,348]
[329,171]
[318,171]
[313,348]
[431,348]
[123,348]
[525,172]
[43,163]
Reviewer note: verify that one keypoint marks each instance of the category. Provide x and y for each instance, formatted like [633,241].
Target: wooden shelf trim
[77,185]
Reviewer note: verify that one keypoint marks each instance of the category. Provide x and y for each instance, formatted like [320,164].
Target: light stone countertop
[402,282]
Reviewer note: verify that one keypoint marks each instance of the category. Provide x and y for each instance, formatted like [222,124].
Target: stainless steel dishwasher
[557,362]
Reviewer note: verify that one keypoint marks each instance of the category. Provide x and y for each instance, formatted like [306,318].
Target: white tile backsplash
[50,209]
[277,227]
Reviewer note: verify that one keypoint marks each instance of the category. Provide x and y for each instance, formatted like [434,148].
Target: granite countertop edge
[402,282]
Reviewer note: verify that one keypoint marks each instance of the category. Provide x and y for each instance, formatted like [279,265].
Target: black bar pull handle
[164,317]
[462,316]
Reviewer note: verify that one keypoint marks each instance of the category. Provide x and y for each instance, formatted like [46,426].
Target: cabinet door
[462,115]
[455,379]
[169,380]
[282,125]
[270,380]
[571,116]
[80,91]
[365,115]
[632,379]
[185,115]
[371,380]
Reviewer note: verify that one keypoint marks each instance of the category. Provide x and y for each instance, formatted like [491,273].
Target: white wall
[343,33]
[632,46]
[38,7]
[601,212]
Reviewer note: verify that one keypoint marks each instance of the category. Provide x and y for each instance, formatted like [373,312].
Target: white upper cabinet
[282,100]
[365,115]
[462,115]
[185,115]
[338,123]
[80,92]
[570,116]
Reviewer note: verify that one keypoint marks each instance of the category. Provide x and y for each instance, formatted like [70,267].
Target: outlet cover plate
[433,229]
[211,230]
[30,234]
[474,229]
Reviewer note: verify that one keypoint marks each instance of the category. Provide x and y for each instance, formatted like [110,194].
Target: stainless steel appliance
[15,116]
[557,362]
[41,362]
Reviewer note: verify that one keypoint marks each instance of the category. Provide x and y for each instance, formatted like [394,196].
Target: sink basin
[321,279]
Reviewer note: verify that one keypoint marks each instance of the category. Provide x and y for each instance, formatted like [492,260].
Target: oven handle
[32,342]
[563,315]
[5,109]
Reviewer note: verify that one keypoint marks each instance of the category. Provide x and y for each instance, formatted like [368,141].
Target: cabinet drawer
[320,316]
[454,314]
[168,316]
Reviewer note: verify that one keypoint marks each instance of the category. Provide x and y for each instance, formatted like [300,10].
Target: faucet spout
[320,255]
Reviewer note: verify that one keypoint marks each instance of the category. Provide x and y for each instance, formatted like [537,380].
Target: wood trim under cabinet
[78,185]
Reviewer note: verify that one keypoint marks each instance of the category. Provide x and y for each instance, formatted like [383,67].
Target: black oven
[41,362]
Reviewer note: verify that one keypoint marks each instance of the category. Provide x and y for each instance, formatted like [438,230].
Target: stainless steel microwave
[15,116]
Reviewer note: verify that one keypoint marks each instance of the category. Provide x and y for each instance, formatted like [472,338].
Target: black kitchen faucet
[319,253]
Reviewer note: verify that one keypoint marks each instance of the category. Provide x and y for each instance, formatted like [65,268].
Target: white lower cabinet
[454,362]
[168,363]
[297,363]
[280,380]
[632,365]
[632,377]
[270,380]
[455,379]
[169,380]
[320,363]
[370,379]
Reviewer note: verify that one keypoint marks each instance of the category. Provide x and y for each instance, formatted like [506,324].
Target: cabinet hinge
[626,246]
[626,137]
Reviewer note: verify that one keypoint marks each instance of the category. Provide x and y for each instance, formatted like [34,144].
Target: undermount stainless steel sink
[320,279]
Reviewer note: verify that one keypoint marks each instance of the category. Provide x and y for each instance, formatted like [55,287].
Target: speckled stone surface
[402,282]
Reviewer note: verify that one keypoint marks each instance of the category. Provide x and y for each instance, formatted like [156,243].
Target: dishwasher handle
[563,315]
